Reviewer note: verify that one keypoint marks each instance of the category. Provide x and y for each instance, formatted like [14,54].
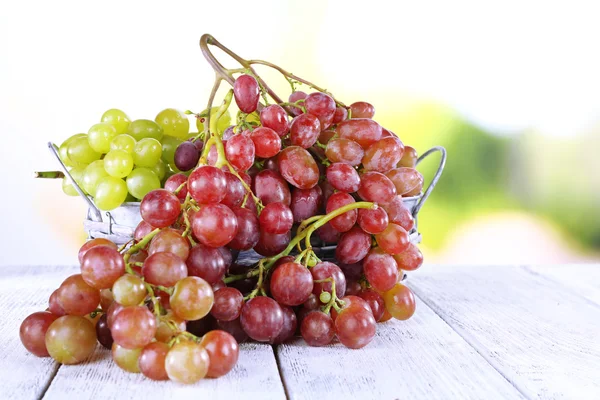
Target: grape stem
[49,174]
[155,302]
[334,300]
[140,245]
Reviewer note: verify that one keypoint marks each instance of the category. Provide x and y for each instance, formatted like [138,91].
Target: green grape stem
[49,174]
[334,300]
[140,245]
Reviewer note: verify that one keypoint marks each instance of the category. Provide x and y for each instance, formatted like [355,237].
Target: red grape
[305,203]
[340,115]
[372,220]
[164,269]
[228,304]
[54,305]
[240,152]
[248,232]
[291,284]
[114,309]
[399,214]
[298,167]
[170,241]
[276,218]
[410,259]
[207,185]
[33,332]
[405,180]
[393,240]
[345,221]
[152,361]
[207,263]
[383,155]
[305,130]
[355,327]
[142,230]
[246,93]
[290,323]
[103,332]
[353,287]
[262,319]
[70,339]
[317,329]
[363,131]
[409,158]
[160,208]
[321,106]
[343,177]
[375,302]
[351,301]
[275,117]
[222,350]
[294,97]
[266,142]
[376,187]
[192,298]
[325,270]
[326,136]
[270,187]
[386,316]
[380,269]
[344,150]
[362,109]
[76,297]
[133,327]
[328,234]
[270,244]
[400,302]
[186,156]
[353,246]
[93,243]
[214,225]
[173,183]
[234,191]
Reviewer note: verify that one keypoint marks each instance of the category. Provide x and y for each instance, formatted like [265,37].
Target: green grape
[111,192]
[80,152]
[100,136]
[67,187]
[123,142]
[92,174]
[118,119]
[169,145]
[223,123]
[173,122]
[63,150]
[160,170]
[141,181]
[118,163]
[144,128]
[147,152]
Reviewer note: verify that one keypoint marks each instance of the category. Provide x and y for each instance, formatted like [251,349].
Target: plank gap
[50,379]
[281,375]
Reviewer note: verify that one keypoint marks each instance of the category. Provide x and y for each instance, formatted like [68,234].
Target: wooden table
[479,332]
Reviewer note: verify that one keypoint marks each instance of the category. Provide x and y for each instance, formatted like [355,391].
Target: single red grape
[262,319]
[353,246]
[410,259]
[173,183]
[33,332]
[207,185]
[362,109]
[246,93]
[376,187]
[290,323]
[343,177]
[152,361]
[345,221]
[304,130]
[133,327]
[291,284]
[76,297]
[223,352]
[325,270]
[380,269]
[266,142]
[298,167]
[93,243]
[207,263]
[170,241]
[321,106]
[102,266]
[248,232]
[344,150]
[383,155]
[355,327]
[363,131]
[317,329]
[270,187]
[160,208]
[240,152]
[228,304]
[276,218]
[393,240]
[400,302]
[372,221]
[164,269]
[375,302]
[214,225]
[275,117]
[305,203]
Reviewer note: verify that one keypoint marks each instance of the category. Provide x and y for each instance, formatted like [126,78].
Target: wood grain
[541,336]
[24,290]
[422,358]
[583,279]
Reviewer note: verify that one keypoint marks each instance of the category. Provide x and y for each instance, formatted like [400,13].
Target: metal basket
[119,224]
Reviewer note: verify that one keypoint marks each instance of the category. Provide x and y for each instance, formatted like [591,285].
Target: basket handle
[435,179]
[96,213]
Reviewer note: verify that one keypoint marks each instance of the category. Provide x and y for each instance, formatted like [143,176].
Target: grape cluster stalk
[285,178]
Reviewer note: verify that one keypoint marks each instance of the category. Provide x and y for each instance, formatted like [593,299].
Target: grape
[341,114]
[345,221]
[160,208]
[373,221]
[116,118]
[321,106]
[171,241]
[173,183]
[103,332]
[343,177]
[353,287]
[207,263]
[410,259]
[344,150]
[399,214]
[207,185]
[246,93]
[114,309]
[169,147]
[133,327]
[92,174]
[173,122]
[186,156]
[93,243]
[386,316]
[363,131]
[129,290]
[67,186]
[393,240]
[326,136]
[400,302]
[312,303]
[106,299]
[317,329]
[266,142]
[222,350]
[70,339]
[142,230]
[325,270]
[362,109]
[304,130]
[79,151]
[351,301]
[228,304]
[33,332]
[147,152]
[234,328]
[118,163]
[355,327]
[123,142]
[328,234]
[63,150]
[375,302]
[54,305]
[276,218]
[240,152]
[275,117]
[168,326]
[100,135]
[270,187]
[126,359]
[305,203]
[353,246]
[291,284]
[409,158]
[214,225]
[76,297]
[159,169]
[187,362]
[142,181]
[111,192]
[234,191]
[376,187]
[294,97]
[380,269]
[101,266]
[270,244]
[248,233]
[298,167]
[144,128]
[152,361]
[405,180]
[262,319]
[290,323]
[383,155]
[164,269]
[192,298]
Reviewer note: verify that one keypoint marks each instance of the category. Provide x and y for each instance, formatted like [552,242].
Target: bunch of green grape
[120,160]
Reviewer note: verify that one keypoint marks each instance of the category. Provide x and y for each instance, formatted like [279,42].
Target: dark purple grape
[186,156]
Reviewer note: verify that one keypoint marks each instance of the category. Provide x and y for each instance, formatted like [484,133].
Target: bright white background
[507,65]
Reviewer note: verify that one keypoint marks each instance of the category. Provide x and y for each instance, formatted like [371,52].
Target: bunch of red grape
[176,302]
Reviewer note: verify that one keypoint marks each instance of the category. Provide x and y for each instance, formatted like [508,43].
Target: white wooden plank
[541,336]
[24,290]
[582,278]
[422,358]
[254,377]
